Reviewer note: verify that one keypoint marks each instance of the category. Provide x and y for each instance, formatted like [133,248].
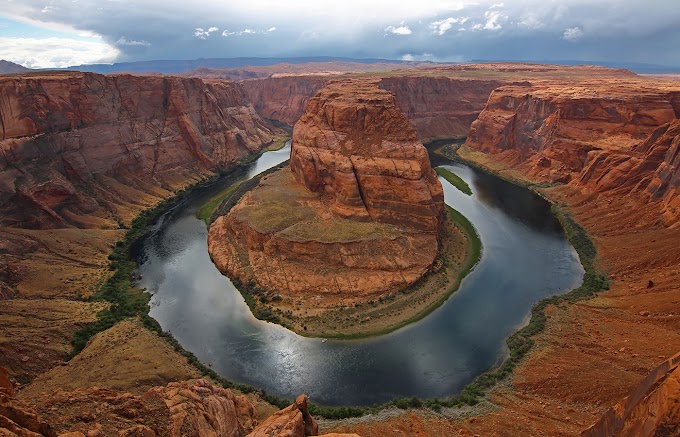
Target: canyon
[83,154]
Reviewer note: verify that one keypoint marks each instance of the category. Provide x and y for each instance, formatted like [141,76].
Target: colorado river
[525,258]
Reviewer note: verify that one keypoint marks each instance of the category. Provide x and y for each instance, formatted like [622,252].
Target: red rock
[293,421]
[355,144]
[78,147]
[361,216]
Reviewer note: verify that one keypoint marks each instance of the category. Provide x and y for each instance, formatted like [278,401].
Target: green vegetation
[454,180]
[206,211]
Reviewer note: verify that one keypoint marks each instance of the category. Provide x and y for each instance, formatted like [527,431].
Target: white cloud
[408,57]
[572,34]
[247,31]
[201,33]
[401,30]
[531,21]
[56,52]
[122,41]
[493,19]
[442,26]
[496,5]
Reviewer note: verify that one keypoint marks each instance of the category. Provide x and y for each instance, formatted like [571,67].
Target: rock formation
[355,145]
[77,148]
[651,409]
[598,136]
[360,216]
[437,107]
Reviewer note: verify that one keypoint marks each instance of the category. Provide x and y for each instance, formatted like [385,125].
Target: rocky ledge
[357,216]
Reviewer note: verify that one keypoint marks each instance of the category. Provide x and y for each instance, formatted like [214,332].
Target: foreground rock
[189,408]
[652,408]
[358,216]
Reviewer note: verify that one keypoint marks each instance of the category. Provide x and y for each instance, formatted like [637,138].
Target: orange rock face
[619,135]
[358,215]
[77,148]
[437,107]
[188,408]
[354,144]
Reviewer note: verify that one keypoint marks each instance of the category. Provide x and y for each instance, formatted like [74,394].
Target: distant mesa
[357,214]
[7,67]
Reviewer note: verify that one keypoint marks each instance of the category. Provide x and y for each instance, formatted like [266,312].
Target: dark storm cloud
[604,30]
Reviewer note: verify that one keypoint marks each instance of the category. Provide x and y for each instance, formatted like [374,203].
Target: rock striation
[619,135]
[355,145]
[358,215]
[436,106]
[77,149]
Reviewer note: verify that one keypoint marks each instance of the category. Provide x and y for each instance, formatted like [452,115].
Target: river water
[525,258]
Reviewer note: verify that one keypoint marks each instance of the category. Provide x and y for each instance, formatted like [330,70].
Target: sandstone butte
[593,353]
[357,214]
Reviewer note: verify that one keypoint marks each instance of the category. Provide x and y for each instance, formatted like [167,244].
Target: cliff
[440,107]
[283,99]
[355,144]
[80,149]
[619,136]
[436,106]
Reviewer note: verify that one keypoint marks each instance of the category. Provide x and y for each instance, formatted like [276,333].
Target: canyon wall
[440,107]
[619,136]
[437,106]
[283,99]
[79,149]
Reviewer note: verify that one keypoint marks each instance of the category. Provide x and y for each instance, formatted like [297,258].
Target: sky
[60,33]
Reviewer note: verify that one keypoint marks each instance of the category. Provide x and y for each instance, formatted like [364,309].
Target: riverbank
[354,313]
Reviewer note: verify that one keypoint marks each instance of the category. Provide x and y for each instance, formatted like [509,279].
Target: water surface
[525,258]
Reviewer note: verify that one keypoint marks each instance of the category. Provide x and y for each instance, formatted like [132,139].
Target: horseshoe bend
[357,218]
[351,238]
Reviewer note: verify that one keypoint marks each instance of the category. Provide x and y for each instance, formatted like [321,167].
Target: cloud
[201,33]
[401,30]
[122,41]
[247,31]
[56,52]
[572,34]
[493,19]
[442,26]
[627,30]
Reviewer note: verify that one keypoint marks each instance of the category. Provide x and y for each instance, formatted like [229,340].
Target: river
[525,258]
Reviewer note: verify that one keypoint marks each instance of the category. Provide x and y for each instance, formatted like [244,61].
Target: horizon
[61,33]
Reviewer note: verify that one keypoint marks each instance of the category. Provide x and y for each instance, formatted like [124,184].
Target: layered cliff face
[440,107]
[79,149]
[283,99]
[354,144]
[436,106]
[357,217]
[90,151]
[619,136]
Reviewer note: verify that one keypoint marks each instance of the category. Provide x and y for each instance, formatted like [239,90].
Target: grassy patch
[454,180]
[206,211]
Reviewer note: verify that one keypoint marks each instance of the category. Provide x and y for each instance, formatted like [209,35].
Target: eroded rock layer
[620,135]
[359,214]
[78,148]
[355,144]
